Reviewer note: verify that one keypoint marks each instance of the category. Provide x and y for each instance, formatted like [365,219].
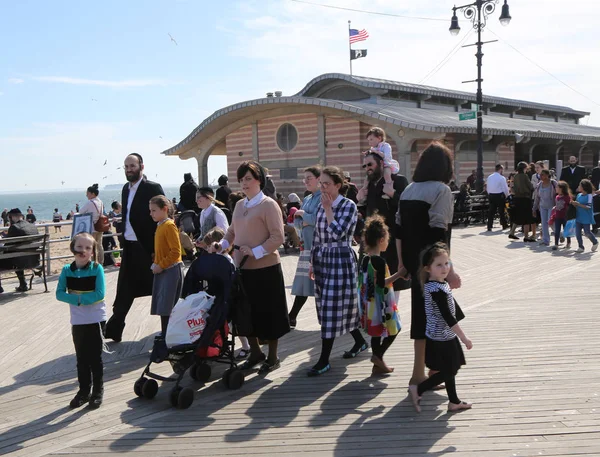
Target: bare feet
[414,397]
[379,363]
[453,407]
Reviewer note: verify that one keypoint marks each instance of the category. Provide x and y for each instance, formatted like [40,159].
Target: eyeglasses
[325,184]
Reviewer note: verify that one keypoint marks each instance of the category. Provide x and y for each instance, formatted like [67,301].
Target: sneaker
[96,399]
[594,247]
[580,250]
[79,400]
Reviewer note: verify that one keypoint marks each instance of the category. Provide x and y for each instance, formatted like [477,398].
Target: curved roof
[429,120]
[321,81]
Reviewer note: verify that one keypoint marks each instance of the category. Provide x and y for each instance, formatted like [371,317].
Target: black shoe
[504,227]
[249,363]
[293,323]
[160,352]
[22,288]
[113,331]
[513,237]
[96,399]
[79,400]
[489,230]
[1,290]
[353,353]
[267,367]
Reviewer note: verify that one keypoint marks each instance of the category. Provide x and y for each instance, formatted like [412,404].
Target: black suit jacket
[596,177]
[22,228]
[574,178]
[139,214]
[387,208]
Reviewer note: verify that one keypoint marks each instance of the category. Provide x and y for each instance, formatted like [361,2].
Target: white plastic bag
[188,319]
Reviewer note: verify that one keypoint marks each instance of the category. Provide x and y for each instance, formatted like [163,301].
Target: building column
[202,170]
[403,144]
[255,141]
[321,139]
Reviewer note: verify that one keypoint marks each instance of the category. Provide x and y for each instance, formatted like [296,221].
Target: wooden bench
[26,246]
[474,209]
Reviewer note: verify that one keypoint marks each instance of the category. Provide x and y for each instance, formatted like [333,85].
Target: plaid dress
[334,267]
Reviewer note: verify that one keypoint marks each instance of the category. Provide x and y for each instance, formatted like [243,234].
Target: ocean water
[43,203]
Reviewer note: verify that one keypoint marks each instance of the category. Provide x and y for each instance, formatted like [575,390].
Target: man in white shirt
[497,189]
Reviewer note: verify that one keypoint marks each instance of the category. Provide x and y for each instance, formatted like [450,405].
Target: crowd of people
[404,233]
[533,197]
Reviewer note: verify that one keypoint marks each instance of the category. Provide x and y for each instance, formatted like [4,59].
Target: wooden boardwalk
[532,375]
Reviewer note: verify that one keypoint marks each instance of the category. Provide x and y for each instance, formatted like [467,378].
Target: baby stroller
[215,343]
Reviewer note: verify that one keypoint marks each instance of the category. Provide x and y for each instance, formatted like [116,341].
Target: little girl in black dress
[443,353]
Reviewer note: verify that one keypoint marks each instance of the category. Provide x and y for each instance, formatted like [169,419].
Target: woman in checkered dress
[333,264]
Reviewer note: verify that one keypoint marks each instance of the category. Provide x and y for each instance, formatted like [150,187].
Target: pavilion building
[326,123]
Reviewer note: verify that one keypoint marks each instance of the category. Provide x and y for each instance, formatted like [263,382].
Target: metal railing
[65,239]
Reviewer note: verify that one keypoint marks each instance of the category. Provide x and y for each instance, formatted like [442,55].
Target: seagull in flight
[104,177]
[160,137]
[105,162]
[172,39]
[62,182]
[94,100]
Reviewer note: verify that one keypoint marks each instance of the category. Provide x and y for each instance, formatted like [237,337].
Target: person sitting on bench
[19,227]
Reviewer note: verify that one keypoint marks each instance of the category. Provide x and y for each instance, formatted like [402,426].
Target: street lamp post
[478,12]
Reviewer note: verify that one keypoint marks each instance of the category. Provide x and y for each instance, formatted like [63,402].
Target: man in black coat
[374,192]
[573,174]
[596,176]
[20,227]
[187,194]
[135,277]
[223,191]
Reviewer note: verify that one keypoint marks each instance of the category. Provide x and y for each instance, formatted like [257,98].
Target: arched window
[287,137]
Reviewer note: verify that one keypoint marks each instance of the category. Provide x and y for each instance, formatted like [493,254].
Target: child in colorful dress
[81,285]
[168,265]
[376,139]
[585,214]
[379,312]
[443,352]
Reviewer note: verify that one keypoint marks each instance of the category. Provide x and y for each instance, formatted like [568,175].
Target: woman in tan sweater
[256,227]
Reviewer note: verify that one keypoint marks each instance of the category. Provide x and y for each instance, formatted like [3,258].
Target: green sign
[468,115]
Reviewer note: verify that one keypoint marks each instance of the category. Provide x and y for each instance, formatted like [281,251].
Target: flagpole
[349,48]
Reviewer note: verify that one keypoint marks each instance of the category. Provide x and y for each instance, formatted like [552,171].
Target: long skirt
[336,293]
[303,286]
[521,213]
[166,290]
[265,289]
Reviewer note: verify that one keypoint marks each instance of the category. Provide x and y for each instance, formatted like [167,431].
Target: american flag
[356,36]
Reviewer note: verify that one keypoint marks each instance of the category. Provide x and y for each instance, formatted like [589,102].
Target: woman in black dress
[424,217]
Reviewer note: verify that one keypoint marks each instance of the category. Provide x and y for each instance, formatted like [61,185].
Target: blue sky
[85,82]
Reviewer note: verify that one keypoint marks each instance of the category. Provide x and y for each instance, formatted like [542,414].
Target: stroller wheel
[139,385]
[150,388]
[186,398]
[236,379]
[233,378]
[201,372]
[174,396]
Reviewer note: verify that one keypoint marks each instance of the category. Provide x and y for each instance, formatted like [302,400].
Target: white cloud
[16,80]
[101,82]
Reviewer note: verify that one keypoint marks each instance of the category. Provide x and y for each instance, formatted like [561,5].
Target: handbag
[571,212]
[239,306]
[569,231]
[102,225]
